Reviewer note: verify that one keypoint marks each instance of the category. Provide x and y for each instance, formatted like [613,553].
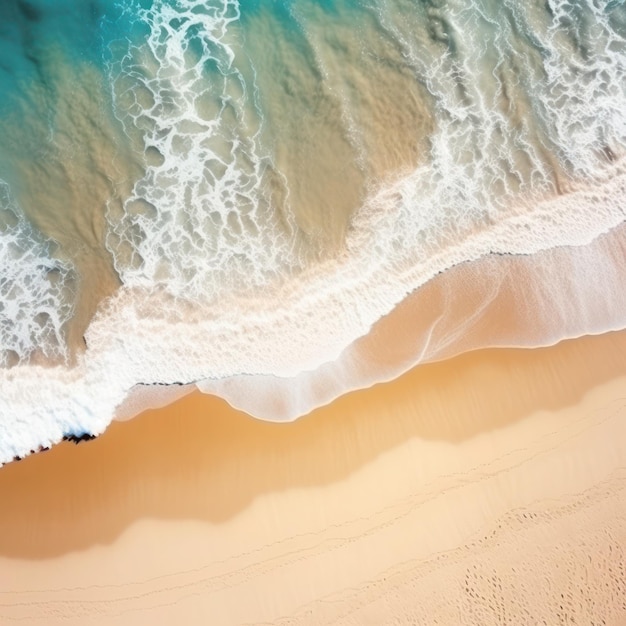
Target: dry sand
[487,489]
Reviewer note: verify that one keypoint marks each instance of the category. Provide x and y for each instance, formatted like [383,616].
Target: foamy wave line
[296,327]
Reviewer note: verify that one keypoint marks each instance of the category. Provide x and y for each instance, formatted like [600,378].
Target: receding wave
[304,167]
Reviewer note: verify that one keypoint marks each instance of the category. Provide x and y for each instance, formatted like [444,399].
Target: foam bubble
[200,220]
[36,290]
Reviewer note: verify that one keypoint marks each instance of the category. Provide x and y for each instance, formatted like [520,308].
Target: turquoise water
[32,32]
[197,190]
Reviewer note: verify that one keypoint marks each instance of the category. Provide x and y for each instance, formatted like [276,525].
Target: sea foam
[223,287]
[201,219]
[36,290]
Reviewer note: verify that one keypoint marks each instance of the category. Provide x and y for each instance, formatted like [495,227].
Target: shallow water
[200,190]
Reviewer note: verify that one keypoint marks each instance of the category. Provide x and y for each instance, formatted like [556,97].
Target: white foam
[36,299]
[200,220]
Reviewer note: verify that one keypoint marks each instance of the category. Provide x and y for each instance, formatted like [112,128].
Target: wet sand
[487,489]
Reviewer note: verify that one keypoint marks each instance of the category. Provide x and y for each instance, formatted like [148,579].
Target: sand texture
[487,489]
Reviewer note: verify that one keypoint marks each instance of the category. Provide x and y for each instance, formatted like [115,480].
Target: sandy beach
[364,230]
[487,489]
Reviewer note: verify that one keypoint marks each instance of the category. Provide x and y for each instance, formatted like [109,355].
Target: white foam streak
[36,298]
[199,221]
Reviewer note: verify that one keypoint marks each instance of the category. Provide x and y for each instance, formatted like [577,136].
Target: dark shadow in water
[202,460]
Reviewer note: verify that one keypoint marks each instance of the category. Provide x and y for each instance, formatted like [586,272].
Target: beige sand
[488,489]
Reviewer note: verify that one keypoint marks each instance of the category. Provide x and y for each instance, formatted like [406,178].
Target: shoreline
[347,501]
[511,300]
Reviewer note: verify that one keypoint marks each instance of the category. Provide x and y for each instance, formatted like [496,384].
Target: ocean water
[232,193]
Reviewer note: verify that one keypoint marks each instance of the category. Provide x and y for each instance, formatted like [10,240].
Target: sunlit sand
[488,489]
